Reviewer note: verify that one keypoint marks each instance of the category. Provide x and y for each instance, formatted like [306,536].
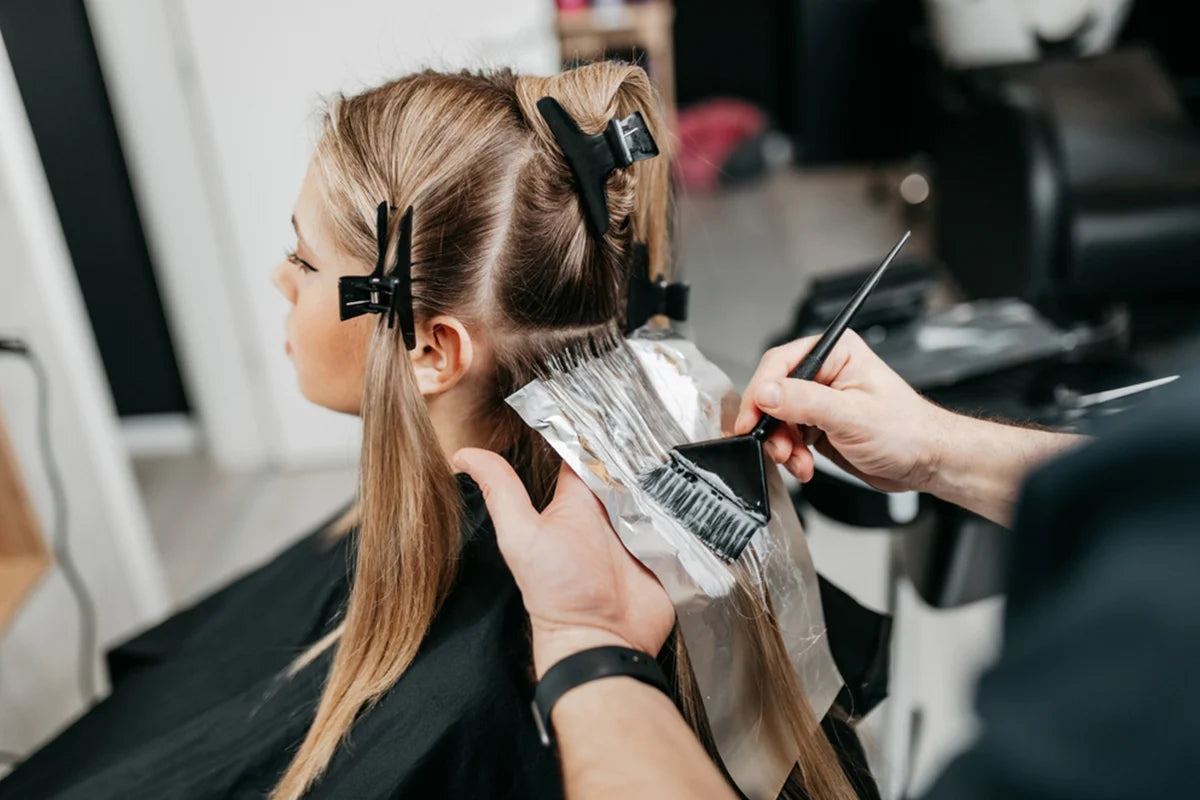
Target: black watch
[590,665]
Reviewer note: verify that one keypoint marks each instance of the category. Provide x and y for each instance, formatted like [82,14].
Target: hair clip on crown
[378,293]
[592,158]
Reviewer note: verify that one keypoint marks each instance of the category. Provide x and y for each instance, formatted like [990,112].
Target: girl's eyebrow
[296,227]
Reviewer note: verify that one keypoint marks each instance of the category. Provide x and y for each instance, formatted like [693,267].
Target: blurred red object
[571,5]
[708,133]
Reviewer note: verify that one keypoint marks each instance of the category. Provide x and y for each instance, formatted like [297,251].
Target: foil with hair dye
[613,411]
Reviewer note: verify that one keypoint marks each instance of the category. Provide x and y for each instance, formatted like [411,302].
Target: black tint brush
[718,489]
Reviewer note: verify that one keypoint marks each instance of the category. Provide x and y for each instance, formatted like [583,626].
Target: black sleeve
[1092,695]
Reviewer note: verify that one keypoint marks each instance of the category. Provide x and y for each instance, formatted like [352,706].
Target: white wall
[163,148]
[107,529]
[254,74]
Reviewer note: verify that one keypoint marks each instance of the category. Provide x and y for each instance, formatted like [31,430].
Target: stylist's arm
[863,416]
[617,737]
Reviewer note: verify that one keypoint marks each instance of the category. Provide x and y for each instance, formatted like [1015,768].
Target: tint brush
[718,489]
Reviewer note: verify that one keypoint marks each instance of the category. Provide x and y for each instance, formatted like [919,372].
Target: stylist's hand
[581,587]
[857,412]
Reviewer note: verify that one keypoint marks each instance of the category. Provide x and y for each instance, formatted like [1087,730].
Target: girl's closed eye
[299,262]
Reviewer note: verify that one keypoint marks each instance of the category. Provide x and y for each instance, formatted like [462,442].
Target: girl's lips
[287,347]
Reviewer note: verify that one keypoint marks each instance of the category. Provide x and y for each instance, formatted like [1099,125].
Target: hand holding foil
[613,415]
[580,585]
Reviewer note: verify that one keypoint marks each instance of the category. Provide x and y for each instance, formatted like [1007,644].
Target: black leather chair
[1072,183]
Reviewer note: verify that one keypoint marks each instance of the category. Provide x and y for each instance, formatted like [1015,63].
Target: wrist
[941,440]
[552,644]
[962,456]
[983,464]
[588,701]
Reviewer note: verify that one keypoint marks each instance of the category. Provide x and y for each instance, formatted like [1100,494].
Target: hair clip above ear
[648,298]
[592,158]
[378,293]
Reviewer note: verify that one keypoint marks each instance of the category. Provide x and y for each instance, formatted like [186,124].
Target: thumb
[571,487]
[513,516]
[805,403]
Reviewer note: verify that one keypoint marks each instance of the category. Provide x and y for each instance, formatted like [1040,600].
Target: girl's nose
[282,281]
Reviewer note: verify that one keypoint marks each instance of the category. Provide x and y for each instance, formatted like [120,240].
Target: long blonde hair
[499,241]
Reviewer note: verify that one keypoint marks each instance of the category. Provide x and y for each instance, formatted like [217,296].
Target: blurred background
[153,443]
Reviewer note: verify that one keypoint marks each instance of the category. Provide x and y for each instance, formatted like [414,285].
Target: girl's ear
[443,354]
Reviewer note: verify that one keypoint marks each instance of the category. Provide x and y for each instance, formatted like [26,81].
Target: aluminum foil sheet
[613,417]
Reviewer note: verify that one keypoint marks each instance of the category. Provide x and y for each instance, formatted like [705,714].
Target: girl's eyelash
[299,262]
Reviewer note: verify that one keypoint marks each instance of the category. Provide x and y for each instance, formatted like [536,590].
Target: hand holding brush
[857,412]
[718,489]
[863,417]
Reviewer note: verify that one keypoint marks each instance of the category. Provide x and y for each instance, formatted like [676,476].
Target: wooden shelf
[588,34]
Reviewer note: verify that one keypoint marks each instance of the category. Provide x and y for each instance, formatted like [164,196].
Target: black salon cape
[197,710]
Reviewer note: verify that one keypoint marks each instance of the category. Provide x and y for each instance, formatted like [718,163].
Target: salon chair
[1072,183]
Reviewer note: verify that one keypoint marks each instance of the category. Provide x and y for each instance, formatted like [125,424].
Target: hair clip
[378,293]
[648,298]
[593,158]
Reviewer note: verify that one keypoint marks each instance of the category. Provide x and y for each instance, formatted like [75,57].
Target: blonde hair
[500,242]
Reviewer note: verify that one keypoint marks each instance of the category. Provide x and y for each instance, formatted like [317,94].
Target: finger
[571,487]
[801,464]
[513,516]
[748,413]
[807,403]
[778,362]
[779,444]
[774,364]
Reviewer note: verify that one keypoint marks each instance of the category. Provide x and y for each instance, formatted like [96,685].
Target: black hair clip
[378,293]
[593,158]
[649,298]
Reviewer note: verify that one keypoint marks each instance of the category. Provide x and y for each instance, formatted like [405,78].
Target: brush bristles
[603,390]
[721,523]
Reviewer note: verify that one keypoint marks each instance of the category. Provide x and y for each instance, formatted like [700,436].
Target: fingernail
[768,395]
[741,421]
[772,451]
